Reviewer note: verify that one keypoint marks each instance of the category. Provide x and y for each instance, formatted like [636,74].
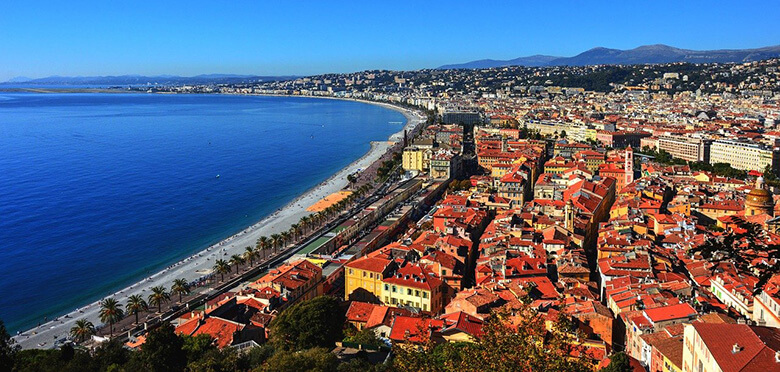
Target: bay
[99,190]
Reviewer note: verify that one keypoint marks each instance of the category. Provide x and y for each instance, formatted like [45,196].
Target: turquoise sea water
[99,190]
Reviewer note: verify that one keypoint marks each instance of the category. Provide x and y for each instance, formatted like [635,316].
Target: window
[387,287]
[393,289]
[371,275]
[408,292]
[364,274]
[350,271]
[417,293]
[425,294]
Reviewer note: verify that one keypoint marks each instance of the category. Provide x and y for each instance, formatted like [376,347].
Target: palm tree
[262,241]
[305,220]
[295,229]
[110,312]
[180,287]
[275,240]
[236,260]
[267,247]
[285,238]
[262,244]
[222,267]
[158,297]
[82,329]
[250,254]
[136,304]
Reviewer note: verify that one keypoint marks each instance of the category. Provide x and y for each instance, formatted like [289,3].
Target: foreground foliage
[509,343]
[314,323]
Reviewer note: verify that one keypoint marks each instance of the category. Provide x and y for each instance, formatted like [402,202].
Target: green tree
[314,323]
[262,244]
[8,349]
[111,353]
[258,355]
[276,241]
[110,312]
[221,267]
[225,360]
[618,362]
[158,297]
[770,176]
[82,329]
[315,359]
[196,346]
[250,254]
[237,260]
[163,351]
[181,288]
[135,305]
[365,337]
[523,344]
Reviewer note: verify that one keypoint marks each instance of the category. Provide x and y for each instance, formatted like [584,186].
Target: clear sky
[42,38]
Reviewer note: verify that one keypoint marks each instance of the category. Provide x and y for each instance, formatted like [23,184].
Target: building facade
[690,149]
[743,155]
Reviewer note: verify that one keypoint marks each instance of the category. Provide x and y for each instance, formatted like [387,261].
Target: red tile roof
[679,311]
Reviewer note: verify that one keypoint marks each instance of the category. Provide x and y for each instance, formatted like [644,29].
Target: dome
[759,200]
[758,196]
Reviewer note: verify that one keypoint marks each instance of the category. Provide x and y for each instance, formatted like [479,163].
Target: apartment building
[690,149]
[743,155]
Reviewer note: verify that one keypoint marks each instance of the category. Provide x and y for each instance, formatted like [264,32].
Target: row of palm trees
[111,311]
[305,225]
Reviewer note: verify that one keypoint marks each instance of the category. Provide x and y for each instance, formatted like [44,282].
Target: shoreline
[199,264]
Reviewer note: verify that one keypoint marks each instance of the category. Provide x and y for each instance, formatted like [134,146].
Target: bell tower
[629,165]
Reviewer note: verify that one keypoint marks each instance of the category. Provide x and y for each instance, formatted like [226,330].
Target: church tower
[629,165]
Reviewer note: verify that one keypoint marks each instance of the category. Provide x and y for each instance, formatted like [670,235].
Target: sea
[98,190]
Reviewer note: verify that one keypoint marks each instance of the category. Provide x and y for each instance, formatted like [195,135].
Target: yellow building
[500,169]
[557,165]
[416,159]
[414,286]
[363,277]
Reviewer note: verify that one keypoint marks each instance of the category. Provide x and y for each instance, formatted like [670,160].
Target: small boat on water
[217,176]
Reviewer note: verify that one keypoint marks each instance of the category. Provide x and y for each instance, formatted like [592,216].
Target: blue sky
[41,38]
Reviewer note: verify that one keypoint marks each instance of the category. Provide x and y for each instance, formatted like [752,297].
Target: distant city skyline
[42,38]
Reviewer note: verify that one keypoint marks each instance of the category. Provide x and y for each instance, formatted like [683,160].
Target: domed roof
[759,196]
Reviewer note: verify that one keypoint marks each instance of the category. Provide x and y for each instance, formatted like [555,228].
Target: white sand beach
[200,263]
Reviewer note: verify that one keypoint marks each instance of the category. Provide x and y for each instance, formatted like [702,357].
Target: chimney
[735,349]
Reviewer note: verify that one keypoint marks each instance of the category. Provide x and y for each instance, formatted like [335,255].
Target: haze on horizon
[44,38]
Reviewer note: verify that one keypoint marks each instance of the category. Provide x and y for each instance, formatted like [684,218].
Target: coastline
[199,264]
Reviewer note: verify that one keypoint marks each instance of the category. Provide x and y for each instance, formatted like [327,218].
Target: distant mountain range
[143,80]
[645,54]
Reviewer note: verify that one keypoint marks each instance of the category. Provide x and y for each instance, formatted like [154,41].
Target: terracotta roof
[756,346]
[414,276]
[413,329]
[359,311]
[462,322]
